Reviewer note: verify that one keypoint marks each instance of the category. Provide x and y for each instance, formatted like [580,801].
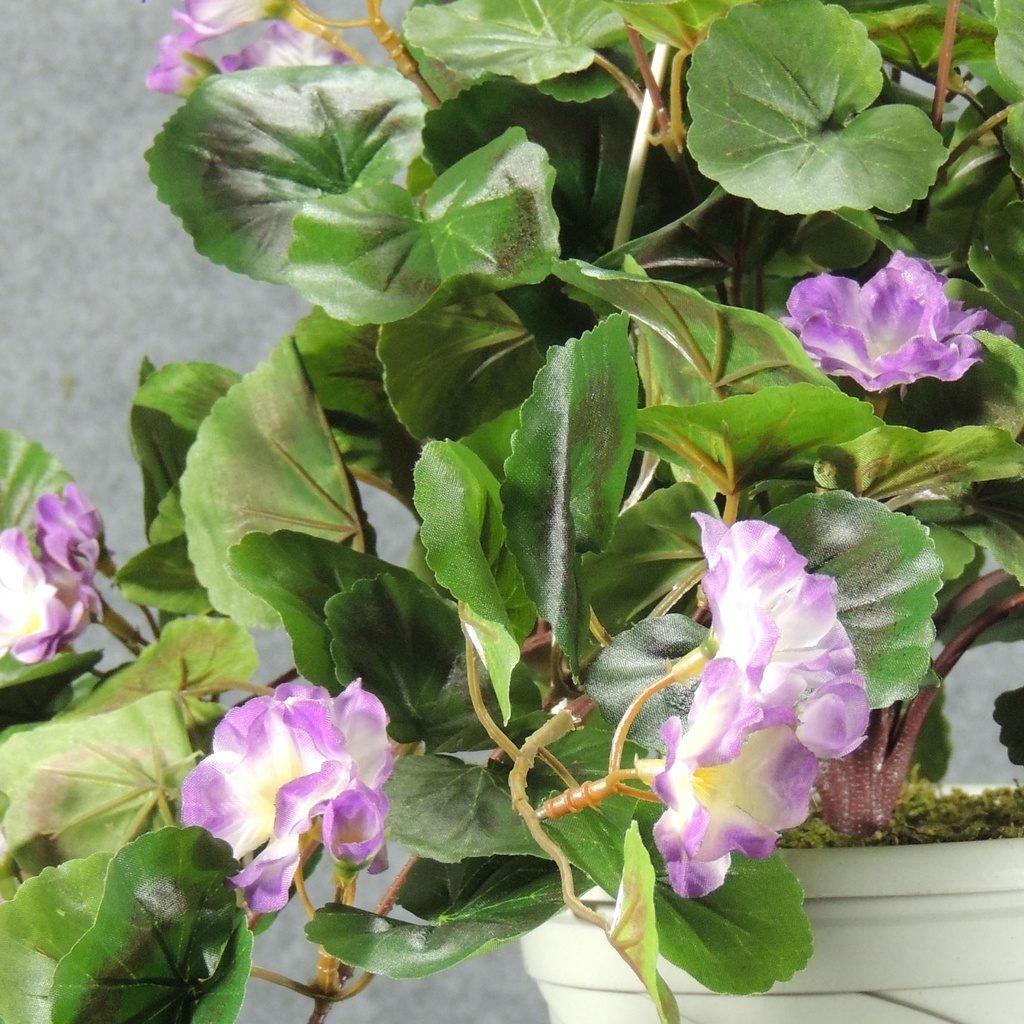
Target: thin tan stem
[624,81]
[945,62]
[285,982]
[300,888]
[476,694]
[980,132]
[121,629]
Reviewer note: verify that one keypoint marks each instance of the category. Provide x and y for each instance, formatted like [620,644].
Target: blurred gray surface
[95,274]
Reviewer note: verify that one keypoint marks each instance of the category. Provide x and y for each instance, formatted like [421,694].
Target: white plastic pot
[902,935]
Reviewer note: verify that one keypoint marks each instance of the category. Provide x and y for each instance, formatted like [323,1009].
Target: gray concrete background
[95,274]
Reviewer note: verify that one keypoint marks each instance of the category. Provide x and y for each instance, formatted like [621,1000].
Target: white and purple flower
[280,762]
[183,63]
[209,18]
[896,328]
[779,693]
[284,45]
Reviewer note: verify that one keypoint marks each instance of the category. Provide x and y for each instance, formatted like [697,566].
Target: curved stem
[620,76]
[965,144]
[956,648]
[390,898]
[121,629]
[476,694]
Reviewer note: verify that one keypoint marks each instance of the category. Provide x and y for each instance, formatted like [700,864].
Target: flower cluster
[47,600]
[779,694]
[184,62]
[893,330]
[279,763]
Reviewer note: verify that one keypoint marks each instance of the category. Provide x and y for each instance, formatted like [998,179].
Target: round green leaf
[779,94]
[250,149]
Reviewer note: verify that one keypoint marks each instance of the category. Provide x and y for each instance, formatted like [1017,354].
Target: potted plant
[687,333]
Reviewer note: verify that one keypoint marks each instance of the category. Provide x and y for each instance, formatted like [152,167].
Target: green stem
[965,144]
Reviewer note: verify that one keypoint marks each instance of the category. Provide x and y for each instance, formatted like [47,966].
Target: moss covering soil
[926,814]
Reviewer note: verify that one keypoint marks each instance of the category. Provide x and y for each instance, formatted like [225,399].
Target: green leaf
[86,786]
[693,349]
[472,907]
[899,462]
[192,658]
[634,927]
[348,377]
[250,150]
[377,254]
[457,364]
[1010,45]
[38,928]
[263,459]
[1009,716]
[997,255]
[169,942]
[634,660]
[406,644]
[934,746]
[167,410]
[32,693]
[677,22]
[447,810]
[161,576]
[464,536]
[992,515]
[887,574]
[567,472]
[27,471]
[746,439]
[786,124]
[297,574]
[655,552]
[529,40]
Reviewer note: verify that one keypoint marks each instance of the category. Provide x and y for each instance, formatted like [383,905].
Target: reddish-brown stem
[650,83]
[975,592]
[387,903]
[945,62]
[954,650]
[285,677]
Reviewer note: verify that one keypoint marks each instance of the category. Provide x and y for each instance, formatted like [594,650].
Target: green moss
[926,815]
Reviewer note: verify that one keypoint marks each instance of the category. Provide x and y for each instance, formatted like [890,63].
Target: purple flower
[34,622]
[280,762]
[780,625]
[284,45]
[183,64]
[895,329]
[729,784]
[211,18]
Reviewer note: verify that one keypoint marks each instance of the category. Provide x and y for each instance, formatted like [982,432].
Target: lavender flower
[32,616]
[284,45]
[183,63]
[211,18]
[895,329]
[280,762]
[779,624]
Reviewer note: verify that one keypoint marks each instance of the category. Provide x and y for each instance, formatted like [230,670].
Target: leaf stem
[965,144]
[390,898]
[653,87]
[121,629]
[620,76]
[945,62]
[476,694]
[957,647]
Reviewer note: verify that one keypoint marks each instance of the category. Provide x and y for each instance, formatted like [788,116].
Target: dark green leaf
[85,786]
[992,515]
[695,350]
[377,255]
[27,471]
[263,459]
[32,693]
[50,913]
[567,472]
[997,255]
[887,574]
[296,574]
[743,440]
[447,810]
[1009,716]
[457,363]
[1010,45]
[634,660]
[473,907]
[530,40]
[934,746]
[788,125]
[249,150]
[169,942]
[161,576]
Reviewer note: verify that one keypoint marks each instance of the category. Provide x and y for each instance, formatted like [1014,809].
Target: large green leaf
[447,810]
[84,786]
[249,150]
[1010,45]
[695,350]
[161,576]
[530,40]
[677,22]
[997,255]
[472,907]
[887,574]
[348,377]
[465,540]
[634,926]
[457,363]
[193,658]
[746,439]
[567,472]
[263,459]
[377,254]
[40,926]
[296,574]
[786,124]
[169,942]
[655,551]
[635,659]
[406,644]
[32,693]
[27,471]
[899,462]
